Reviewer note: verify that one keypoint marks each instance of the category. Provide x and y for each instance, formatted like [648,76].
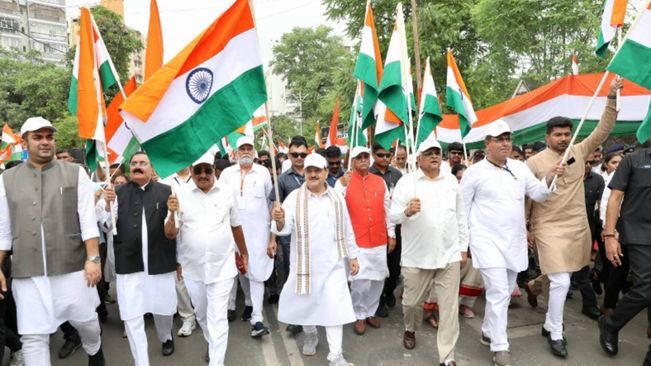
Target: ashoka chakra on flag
[198,84]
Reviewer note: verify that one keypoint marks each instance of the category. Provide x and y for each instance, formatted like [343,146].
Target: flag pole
[619,45]
[272,153]
[601,83]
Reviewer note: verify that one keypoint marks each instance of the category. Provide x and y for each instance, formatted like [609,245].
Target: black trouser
[616,280]
[102,285]
[639,296]
[582,281]
[8,336]
[393,262]
[68,331]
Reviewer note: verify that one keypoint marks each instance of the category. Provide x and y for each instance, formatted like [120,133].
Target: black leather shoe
[547,334]
[246,314]
[607,340]
[168,347]
[294,329]
[70,346]
[382,311]
[230,315]
[591,312]
[97,359]
[557,347]
[273,299]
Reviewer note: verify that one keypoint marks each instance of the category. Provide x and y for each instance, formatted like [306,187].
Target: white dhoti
[43,303]
[366,288]
[210,305]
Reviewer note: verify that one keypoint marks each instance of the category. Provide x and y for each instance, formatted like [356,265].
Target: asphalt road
[383,347]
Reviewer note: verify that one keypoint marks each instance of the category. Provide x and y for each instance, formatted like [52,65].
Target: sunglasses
[298,155]
[197,170]
[383,155]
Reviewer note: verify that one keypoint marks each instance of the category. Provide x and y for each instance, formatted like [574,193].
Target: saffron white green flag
[429,114]
[633,58]
[393,111]
[208,90]
[457,97]
[611,20]
[368,68]
[355,129]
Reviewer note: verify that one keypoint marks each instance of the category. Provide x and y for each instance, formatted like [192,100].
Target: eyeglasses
[134,164]
[197,170]
[383,155]
[298,155]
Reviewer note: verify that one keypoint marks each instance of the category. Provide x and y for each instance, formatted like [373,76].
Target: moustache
[138,170]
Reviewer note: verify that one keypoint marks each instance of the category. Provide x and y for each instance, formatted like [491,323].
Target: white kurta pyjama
[494,201]
[44,302]
[140,292]
[252,195]
[329,303]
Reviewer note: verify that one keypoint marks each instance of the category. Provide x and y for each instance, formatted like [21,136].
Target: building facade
[39,25]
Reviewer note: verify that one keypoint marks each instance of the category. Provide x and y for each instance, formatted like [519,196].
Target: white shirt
[438,234]
[85,209]
[494,201]
[603,203]
[206,249]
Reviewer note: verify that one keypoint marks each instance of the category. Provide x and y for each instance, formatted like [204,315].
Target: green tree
[31,87]
[315,64]
[284,127]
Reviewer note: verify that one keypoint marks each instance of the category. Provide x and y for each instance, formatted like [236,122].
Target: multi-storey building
[35,25]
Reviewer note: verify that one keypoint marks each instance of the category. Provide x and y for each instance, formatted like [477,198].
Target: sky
[183,20]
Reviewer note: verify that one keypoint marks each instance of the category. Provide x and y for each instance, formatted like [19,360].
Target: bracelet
[609,236]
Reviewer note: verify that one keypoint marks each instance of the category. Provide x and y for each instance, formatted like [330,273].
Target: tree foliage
[495,42]
[317,67]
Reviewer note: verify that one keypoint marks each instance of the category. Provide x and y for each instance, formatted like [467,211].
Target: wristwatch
[95,259]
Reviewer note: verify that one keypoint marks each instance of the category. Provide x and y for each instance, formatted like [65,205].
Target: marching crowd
[330,246]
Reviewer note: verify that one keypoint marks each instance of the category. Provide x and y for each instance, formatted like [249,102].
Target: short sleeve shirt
[633,177]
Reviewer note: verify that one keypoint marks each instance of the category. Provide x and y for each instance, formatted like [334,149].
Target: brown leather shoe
[532,299]
[360,327]
[409,339]
[373,321]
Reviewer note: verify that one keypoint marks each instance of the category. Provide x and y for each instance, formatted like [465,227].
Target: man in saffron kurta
[316,291]
[368,201]
[560,225]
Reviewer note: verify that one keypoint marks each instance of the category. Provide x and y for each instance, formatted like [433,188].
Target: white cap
[244,140]
[497,128]
[429,143]
[359,150]
[207,158]
[315,160]
[34,124]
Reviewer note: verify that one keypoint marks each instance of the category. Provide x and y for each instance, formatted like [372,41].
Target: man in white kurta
[316,291]
[145,276]
[494,194]
[207,224]
[428,204]
[177,181]
[368,200]
[251,185]
[60,292]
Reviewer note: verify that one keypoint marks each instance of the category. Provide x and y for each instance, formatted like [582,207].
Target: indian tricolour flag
[633,61]
[429,114]
[457,97]
[209,89]
[120,141]
[611,21]
[317,136]
[331,139]
[393,111]
[356,132]
[368,68]
[8,142]
[92,75]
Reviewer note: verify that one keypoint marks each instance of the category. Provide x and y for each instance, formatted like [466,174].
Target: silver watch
[95,259]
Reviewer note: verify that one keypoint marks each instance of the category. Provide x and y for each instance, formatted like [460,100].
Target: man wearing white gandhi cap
[316,292]
[206,215]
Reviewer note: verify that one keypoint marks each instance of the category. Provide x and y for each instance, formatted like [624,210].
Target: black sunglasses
[298,155]
[383,155]
[200,169]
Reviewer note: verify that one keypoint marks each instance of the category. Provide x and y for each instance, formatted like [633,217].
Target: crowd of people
[329,238]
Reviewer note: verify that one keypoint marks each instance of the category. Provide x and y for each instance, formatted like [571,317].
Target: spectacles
[197,170]
[383,155]
[298,155]
[134,164]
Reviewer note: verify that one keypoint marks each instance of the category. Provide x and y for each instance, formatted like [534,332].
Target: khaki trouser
[417,285]
[540,285]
